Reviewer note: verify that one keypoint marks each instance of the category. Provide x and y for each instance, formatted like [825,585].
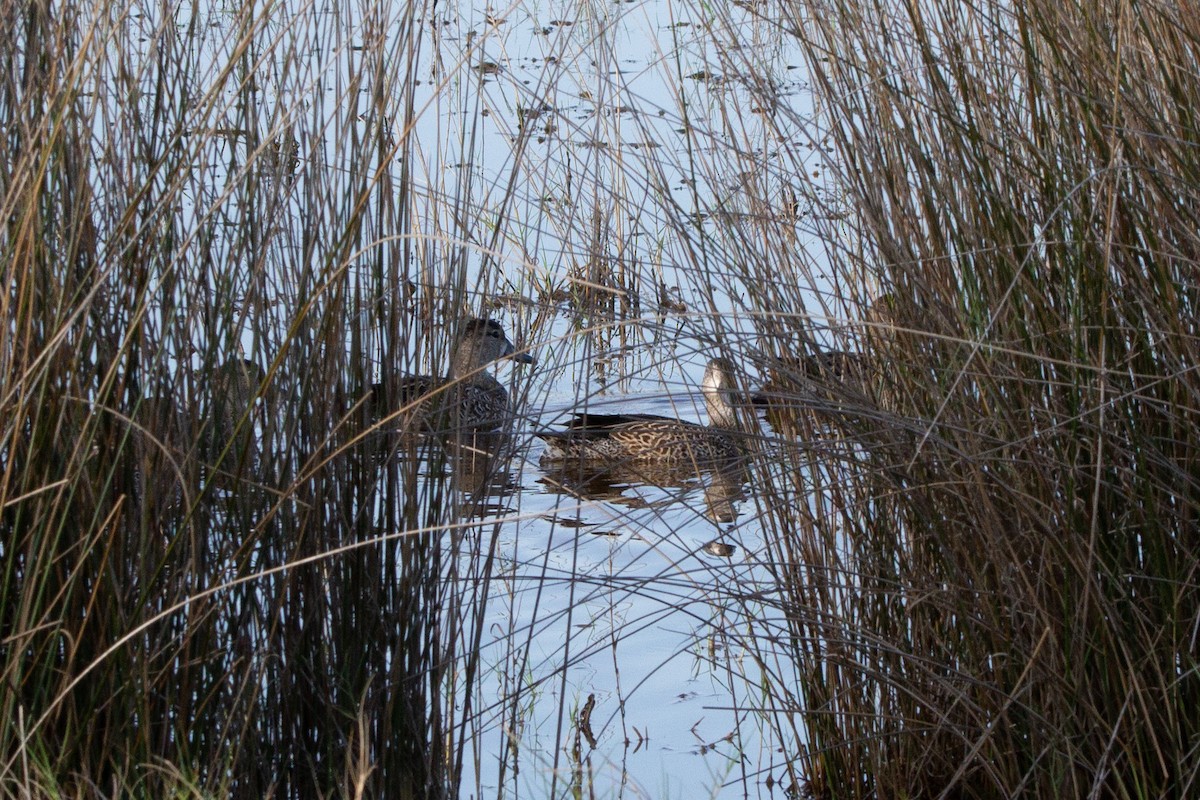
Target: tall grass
[998,594]
[207,591]
[985,551]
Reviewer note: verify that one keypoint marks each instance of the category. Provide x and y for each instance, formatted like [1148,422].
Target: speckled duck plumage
[655,439]
[816,389]
[802,375]
[470,398]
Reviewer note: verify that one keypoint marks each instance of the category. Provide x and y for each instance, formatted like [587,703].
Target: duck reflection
[618,482]
[468,473]
[480,472]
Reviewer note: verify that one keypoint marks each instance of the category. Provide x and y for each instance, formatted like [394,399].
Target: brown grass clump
[1003,600]
[216,579]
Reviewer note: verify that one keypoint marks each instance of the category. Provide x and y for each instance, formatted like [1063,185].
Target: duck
[649,438]
[822,392]
[469,398]
[803,376]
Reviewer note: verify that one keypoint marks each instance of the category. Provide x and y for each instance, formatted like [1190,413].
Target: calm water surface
[613,596]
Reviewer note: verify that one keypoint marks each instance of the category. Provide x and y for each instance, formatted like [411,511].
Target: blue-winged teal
[806,394]
[808,376]
[470,398]
[651,438]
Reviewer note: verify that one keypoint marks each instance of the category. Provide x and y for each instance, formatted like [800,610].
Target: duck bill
[510,352]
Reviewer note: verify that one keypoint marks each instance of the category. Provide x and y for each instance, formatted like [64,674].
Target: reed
[222,575]
[997,596]
[218,577]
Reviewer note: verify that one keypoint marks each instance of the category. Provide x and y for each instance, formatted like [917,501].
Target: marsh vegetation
[957,241]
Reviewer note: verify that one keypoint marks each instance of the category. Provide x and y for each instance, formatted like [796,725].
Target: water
[577,166]
[607,591]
